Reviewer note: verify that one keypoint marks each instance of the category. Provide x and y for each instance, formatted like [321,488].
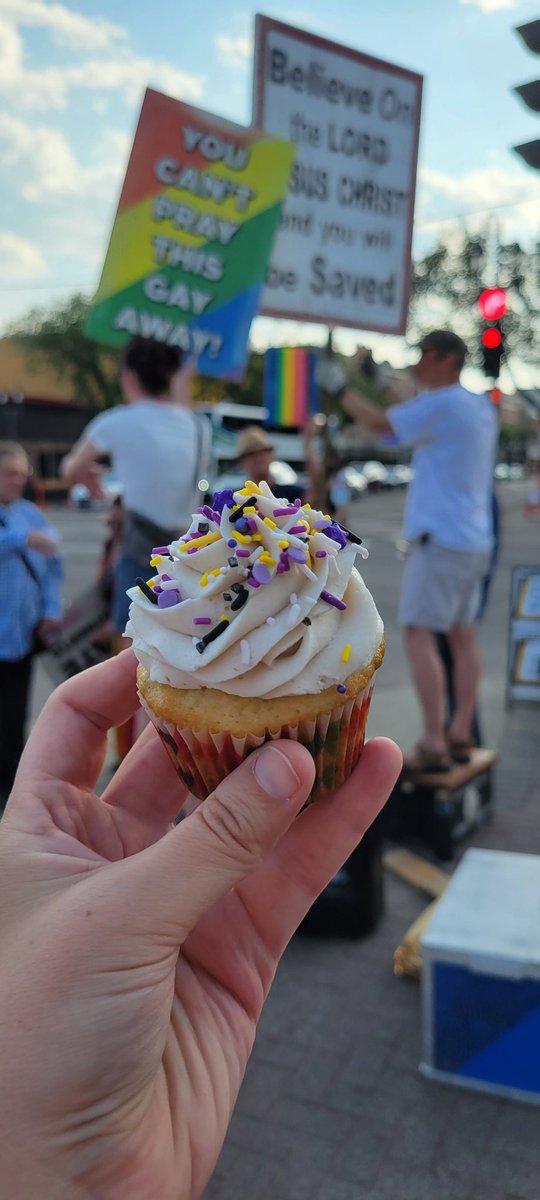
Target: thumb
[172,883]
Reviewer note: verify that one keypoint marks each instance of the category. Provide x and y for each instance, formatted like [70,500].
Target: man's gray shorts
[441,588]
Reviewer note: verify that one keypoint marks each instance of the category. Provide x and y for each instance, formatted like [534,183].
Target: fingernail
[275,775]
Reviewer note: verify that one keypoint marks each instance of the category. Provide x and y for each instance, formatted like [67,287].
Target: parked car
[375,473]
[399,475]
[355,480]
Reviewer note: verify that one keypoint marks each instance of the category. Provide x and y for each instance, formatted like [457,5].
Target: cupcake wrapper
[335,740]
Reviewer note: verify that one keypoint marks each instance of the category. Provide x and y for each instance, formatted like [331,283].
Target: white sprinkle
[361,550]
[311,599]
[333,568]
[245,652]
[293,598]
[293,615]
[310,574]
[195,640]
[270,620]
[223,570]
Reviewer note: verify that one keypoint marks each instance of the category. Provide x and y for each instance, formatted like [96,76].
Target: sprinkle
[283,512]
[363,552]
[266,558]
[239,512]
[245,652]
[298,529]
[261,572]
[213,634]
[242,525]
[168,585]
[336,533]
[341,688]
[232,561]
[245,540]
[232,543]
[202,620]
[282,567]
[330,599]
[223,499]
[293,598]
[155,560]
[160,550]
[254,583]
[270,620]
[203,526]
[237,587]
[284,545]
[298,555]
[297,502]
[320,554]
[165,578]
[306,621]
[243,553]
[322,523]
[311,599]
[204,579]
[251,509]
[205,540]
[346,653]
[157,589]
[227,596]
[193,549]
[241,597]
[271,524]
[306,570]
[150,582]
[147,591]
[209,512]
[252,524]
[293,614]
[167,599]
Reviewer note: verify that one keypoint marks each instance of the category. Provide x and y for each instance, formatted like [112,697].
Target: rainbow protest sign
[290,390]
[192,235]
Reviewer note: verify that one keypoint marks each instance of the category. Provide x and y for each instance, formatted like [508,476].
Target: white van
[228,419]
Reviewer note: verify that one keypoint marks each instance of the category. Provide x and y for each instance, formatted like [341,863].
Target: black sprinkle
[171,557]
[239,512]
[306,621]
[227,596]
[212,635]
[352,536]
[241,598]
[232,561]
[146,590]
[203,527]
[237,587]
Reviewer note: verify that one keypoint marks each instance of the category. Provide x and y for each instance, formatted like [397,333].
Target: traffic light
[529,93]
[493,305]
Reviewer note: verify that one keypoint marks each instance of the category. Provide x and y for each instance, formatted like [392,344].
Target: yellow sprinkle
[216,571]
[267,559]
[205,540]
[271,524]
[150,582]
[224,617]
[257,537]
[155,561]
[241,537]
[250,509]
[249,488]
[346,653]
[283,545]
[204,579]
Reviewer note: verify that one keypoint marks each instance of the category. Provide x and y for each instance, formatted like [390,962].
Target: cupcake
[255,625]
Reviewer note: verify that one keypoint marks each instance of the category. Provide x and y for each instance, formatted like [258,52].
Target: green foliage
[56,337]
[448,280]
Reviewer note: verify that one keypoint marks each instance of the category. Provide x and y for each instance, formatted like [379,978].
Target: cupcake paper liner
[335,741]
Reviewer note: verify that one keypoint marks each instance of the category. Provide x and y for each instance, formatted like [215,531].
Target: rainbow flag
[290,390]
[189,248]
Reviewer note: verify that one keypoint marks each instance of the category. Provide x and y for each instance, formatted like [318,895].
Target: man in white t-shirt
[158,448]
[448,524]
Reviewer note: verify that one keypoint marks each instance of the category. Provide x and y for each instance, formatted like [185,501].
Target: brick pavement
[333,1106]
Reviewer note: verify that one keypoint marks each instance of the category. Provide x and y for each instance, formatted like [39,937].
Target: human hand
[135,957]
[48,627]
[42,542]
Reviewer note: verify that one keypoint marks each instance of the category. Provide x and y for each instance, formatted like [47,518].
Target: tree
[56,336]
[450,277]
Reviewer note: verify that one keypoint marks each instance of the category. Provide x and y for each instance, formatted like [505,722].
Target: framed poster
[342,254]
[523,676]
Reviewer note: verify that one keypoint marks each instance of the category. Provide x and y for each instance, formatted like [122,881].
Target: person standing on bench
[449,528]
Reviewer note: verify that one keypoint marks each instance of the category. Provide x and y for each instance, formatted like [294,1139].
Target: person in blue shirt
[30,602]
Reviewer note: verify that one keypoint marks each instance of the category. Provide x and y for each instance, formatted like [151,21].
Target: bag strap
[29,566]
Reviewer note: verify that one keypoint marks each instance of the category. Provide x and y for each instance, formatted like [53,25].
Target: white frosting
[265,648]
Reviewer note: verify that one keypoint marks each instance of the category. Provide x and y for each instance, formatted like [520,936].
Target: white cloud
[67,26]
[21,258]
[234,50]
[489,6]
[509,197]
[47,167]
[131,74]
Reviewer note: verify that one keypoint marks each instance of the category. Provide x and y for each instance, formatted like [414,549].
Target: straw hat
[251,440]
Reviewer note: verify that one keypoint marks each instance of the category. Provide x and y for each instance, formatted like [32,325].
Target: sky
[72,77]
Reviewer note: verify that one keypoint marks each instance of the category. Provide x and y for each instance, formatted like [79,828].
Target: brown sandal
[460,750]
[420,760]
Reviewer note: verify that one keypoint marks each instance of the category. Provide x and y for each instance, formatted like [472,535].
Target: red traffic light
[492,303]
[492,338]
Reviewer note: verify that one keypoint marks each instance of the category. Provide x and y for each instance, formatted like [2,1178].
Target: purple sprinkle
[241,525]
[341,687]
[322,523]
[201,620]
[320,554]
[160,550]
[157,589]
[297,503]
[261,573]
[252,524]
[297,555]
[223,499]
[281,567]
[167,599]
[242,553]
[336,533]
[231,542]
[252,582]
[330,599]
[165,577]
[206,511]
[284,512]
[193,549]
[297,529]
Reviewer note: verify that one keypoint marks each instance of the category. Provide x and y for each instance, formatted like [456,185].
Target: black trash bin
[353,902]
